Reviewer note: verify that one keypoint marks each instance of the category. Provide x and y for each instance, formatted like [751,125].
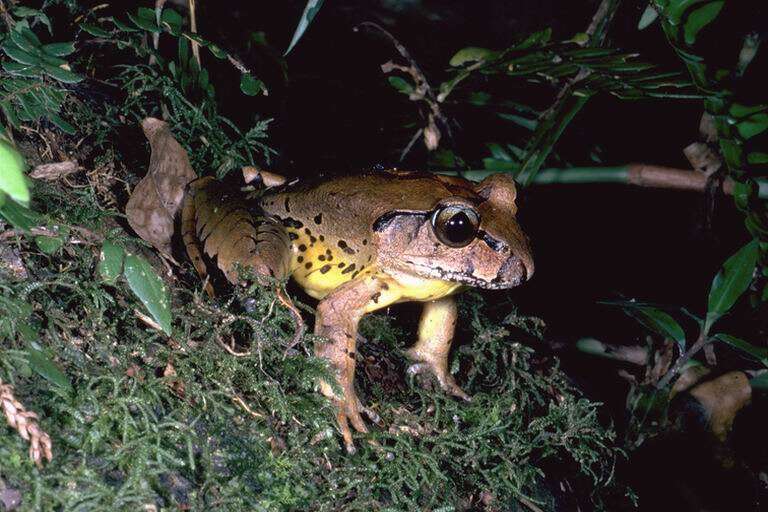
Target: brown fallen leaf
[55,170]
[158,196]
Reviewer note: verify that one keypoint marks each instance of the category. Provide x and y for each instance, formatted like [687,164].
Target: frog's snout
[515,270]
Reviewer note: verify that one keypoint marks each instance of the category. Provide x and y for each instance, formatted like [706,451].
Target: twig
[239,401]
[641,175]
[193,29]
[684,358]
[156,36]
[422,91]
[25,423]
[411,143]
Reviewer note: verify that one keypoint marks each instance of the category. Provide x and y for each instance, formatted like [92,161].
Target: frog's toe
[445,379]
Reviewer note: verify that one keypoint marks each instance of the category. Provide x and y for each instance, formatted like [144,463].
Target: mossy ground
[153,422]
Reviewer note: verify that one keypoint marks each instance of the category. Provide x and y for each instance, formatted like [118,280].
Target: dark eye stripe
[493,243]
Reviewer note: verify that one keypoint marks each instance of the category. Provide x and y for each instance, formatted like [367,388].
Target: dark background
[336,113]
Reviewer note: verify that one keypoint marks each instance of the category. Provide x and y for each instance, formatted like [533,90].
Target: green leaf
[43,366]
[49,244]
[62,75]
[732,280]
[150,289]
[124,26]
[25,39]
[61,124]
[760,381]
[659,322]
[20,55]
[759,353]
[23,70]
[650,14]
[19,216]
[94,30]
[700,18]
[145,18]
[12,179]
[471,54]
[110,262]
[310,11]
[59,49]
[400,84]
[172,20]
[250,85]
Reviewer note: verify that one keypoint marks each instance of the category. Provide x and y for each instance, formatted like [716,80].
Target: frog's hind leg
[237,236]
[430,353]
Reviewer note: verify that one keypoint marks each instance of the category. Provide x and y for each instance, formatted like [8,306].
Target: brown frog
[361,243]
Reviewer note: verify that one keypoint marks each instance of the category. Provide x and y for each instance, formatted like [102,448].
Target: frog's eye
[455,225]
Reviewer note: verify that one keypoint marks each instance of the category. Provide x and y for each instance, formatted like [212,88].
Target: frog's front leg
[436,328]
[338,315]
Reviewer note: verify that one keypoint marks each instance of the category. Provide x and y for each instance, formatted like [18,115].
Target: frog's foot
[441,373]
[349,409]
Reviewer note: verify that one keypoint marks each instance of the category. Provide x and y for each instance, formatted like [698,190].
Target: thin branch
[641,175]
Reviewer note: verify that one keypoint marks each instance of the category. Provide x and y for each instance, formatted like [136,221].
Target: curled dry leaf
[262,177]
[158,196]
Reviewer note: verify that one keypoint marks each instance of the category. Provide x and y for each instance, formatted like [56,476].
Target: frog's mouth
[511,274]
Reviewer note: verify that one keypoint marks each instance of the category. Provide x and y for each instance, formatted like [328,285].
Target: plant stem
[684,358]
[641,175]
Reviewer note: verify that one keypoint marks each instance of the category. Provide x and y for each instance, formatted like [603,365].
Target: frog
[361,243]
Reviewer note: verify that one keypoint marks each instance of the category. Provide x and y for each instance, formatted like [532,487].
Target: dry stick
[193,29]
[423,91]
[642,175]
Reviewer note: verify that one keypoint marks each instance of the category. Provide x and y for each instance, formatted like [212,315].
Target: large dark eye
[455,225]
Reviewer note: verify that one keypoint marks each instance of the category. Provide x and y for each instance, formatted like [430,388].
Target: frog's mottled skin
[361,243]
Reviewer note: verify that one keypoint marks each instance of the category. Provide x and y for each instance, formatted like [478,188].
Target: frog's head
[469,236]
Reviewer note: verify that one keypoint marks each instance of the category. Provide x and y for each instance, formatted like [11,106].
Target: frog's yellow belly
[319,268]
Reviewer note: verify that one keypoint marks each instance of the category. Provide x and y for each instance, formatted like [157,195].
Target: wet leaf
[110,262]
[310,11]
[471,54]
[48,244]
[659,322]
[732,280]
[649,16]
[43,366]
[61,74]
[19,216]
[150,289]
[12,180]
[759,353]
[59,49]
[172,20]
[251,85]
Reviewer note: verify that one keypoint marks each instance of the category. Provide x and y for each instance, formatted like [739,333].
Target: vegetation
[147,394]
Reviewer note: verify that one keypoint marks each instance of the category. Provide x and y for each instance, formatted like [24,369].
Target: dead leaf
[11,265]
[266,178]
[158,196]
[54,171]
